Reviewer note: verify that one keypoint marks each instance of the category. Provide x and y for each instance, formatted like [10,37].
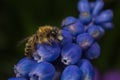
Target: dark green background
[21,18]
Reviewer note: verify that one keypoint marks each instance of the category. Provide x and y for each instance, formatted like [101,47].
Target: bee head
[56,34]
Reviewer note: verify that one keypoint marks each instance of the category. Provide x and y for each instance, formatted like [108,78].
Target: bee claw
[50,43]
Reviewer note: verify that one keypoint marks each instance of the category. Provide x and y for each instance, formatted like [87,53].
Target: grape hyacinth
[70,58]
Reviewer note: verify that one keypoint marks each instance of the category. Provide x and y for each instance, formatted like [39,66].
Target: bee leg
[57,41]
[50,43]
[28,55]
[43,44]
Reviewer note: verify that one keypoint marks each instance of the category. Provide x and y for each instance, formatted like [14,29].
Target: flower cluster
[69,59]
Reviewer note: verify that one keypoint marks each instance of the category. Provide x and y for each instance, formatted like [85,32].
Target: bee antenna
[22,41]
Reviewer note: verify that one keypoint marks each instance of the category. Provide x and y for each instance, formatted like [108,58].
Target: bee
[44,35]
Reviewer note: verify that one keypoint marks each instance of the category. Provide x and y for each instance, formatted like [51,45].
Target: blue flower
[67,38]
[14,78]
[42,71]
[97,7]
[83,6]
[75,28]
[87,69]
[93,52]
[47,52]
[71,54]
[80,36]
[103,17]
[84,9]
[85,17]
[23,67]
[84,40]
[90,13]
[68,20]
[96,31]
[71,72]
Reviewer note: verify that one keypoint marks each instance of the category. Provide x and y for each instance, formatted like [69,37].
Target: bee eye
[53,33]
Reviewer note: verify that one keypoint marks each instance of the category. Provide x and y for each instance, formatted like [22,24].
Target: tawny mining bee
[44,35]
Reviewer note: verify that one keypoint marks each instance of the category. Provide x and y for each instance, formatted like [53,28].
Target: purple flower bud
[23,67]
[71,54]
[75,28]
[85,17]
[67,38]
[68,20]
[71,72]
[96,31]
[87,69]
[99,4]
[85,40]
[105,16]
[47,52]
[83,6]
[93,52]
[42,71]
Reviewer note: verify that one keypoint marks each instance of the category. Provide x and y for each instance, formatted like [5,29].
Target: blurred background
[21,18]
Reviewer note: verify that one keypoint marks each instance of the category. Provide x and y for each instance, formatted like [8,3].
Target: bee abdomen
[28,50]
